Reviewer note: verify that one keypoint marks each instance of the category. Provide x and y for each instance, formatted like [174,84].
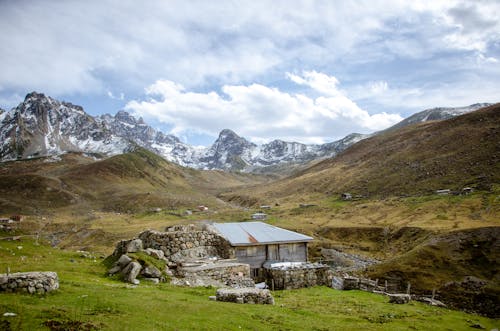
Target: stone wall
[30,282]
[185,242]
[297,275]
[245,295]
[224,272]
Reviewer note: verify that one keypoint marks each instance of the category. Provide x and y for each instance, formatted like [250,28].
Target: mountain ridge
[43,126]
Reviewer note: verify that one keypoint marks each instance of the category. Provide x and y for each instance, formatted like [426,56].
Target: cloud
[53,47]
[110,94]
[261,113]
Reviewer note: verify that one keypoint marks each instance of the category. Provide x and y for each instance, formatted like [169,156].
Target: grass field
[88,300]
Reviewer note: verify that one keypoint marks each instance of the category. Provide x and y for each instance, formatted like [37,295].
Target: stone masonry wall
[305,276]
[222,272]
[181,243]
[31,282]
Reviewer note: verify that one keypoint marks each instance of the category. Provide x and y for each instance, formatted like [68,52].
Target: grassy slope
[129,182]
[86,295]
[415,160]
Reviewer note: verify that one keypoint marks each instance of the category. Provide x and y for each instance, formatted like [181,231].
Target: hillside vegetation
[131,182]
[414,160]
[89,300]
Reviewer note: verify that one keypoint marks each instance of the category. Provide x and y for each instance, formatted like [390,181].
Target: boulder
[123,261]
[151,272]
[399,298]
[116,269]
[131,271]
[157,253]
[135,245]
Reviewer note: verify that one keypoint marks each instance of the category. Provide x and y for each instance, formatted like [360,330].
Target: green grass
[87,296]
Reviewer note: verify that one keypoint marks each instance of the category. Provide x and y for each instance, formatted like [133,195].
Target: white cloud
[53,47]
[261,113]
[110,94]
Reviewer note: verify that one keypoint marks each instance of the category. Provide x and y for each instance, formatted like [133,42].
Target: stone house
[256,243]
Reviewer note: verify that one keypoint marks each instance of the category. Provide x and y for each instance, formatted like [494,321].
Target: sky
[306,71]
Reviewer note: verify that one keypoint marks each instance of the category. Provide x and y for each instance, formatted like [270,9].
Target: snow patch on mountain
[42,126]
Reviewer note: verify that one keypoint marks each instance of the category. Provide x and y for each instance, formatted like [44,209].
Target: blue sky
[308,71]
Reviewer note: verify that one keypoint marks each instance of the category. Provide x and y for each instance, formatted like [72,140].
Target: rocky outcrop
[30,282]
[245,295]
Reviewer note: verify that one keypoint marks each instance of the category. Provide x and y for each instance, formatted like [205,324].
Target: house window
[254,272]
[241,252]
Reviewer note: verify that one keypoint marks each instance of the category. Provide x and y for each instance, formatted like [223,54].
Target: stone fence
[293,275]
[221,271]
[30,282]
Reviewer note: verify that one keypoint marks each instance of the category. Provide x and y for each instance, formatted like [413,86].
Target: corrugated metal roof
[251,233]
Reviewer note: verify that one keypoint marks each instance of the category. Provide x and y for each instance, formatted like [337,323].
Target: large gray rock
[123,261]
[131,271]
[151,272]
[245,295]
[156,253]
[399,298]
[134,246]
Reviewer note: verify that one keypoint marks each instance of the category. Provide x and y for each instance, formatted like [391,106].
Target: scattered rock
[477,326]
[9,314]
[212,298]
[399,298]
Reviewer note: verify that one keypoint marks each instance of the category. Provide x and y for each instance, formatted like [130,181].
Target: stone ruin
[188,256]
[29,282]
[293,275]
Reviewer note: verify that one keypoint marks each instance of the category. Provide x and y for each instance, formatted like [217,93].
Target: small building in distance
[259,216]
[256,243]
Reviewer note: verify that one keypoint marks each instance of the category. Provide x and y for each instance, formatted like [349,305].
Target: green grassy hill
[89,300]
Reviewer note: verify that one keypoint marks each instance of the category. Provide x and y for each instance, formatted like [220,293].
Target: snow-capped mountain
[437,114]
[168,146]
[44,126]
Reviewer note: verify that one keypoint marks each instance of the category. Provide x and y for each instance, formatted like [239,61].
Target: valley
[81,201]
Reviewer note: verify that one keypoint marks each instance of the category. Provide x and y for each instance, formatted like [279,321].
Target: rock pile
[130,268]
[30,282]
[245,295]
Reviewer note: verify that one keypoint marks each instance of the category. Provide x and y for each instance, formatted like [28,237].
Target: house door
[272,253]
